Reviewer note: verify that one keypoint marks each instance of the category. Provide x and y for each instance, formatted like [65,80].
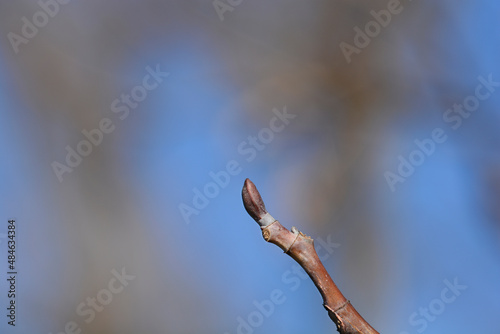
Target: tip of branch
[255,205]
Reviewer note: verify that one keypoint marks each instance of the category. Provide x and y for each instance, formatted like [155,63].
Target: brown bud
[253,201]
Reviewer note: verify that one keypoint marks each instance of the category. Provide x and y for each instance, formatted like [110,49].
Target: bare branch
[301,248]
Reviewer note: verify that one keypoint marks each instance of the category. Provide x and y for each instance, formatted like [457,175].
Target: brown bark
[301,248]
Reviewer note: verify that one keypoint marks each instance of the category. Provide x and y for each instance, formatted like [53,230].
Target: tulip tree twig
[301,248]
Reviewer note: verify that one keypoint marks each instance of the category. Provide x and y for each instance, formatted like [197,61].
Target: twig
[301,248]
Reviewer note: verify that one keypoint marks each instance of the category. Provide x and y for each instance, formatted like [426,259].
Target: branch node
[347,302]
[296,237]
[266,233]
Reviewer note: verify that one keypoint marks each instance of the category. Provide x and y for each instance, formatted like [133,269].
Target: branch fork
[301,248]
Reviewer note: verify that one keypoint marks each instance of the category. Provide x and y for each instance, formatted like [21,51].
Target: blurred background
[159,195]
